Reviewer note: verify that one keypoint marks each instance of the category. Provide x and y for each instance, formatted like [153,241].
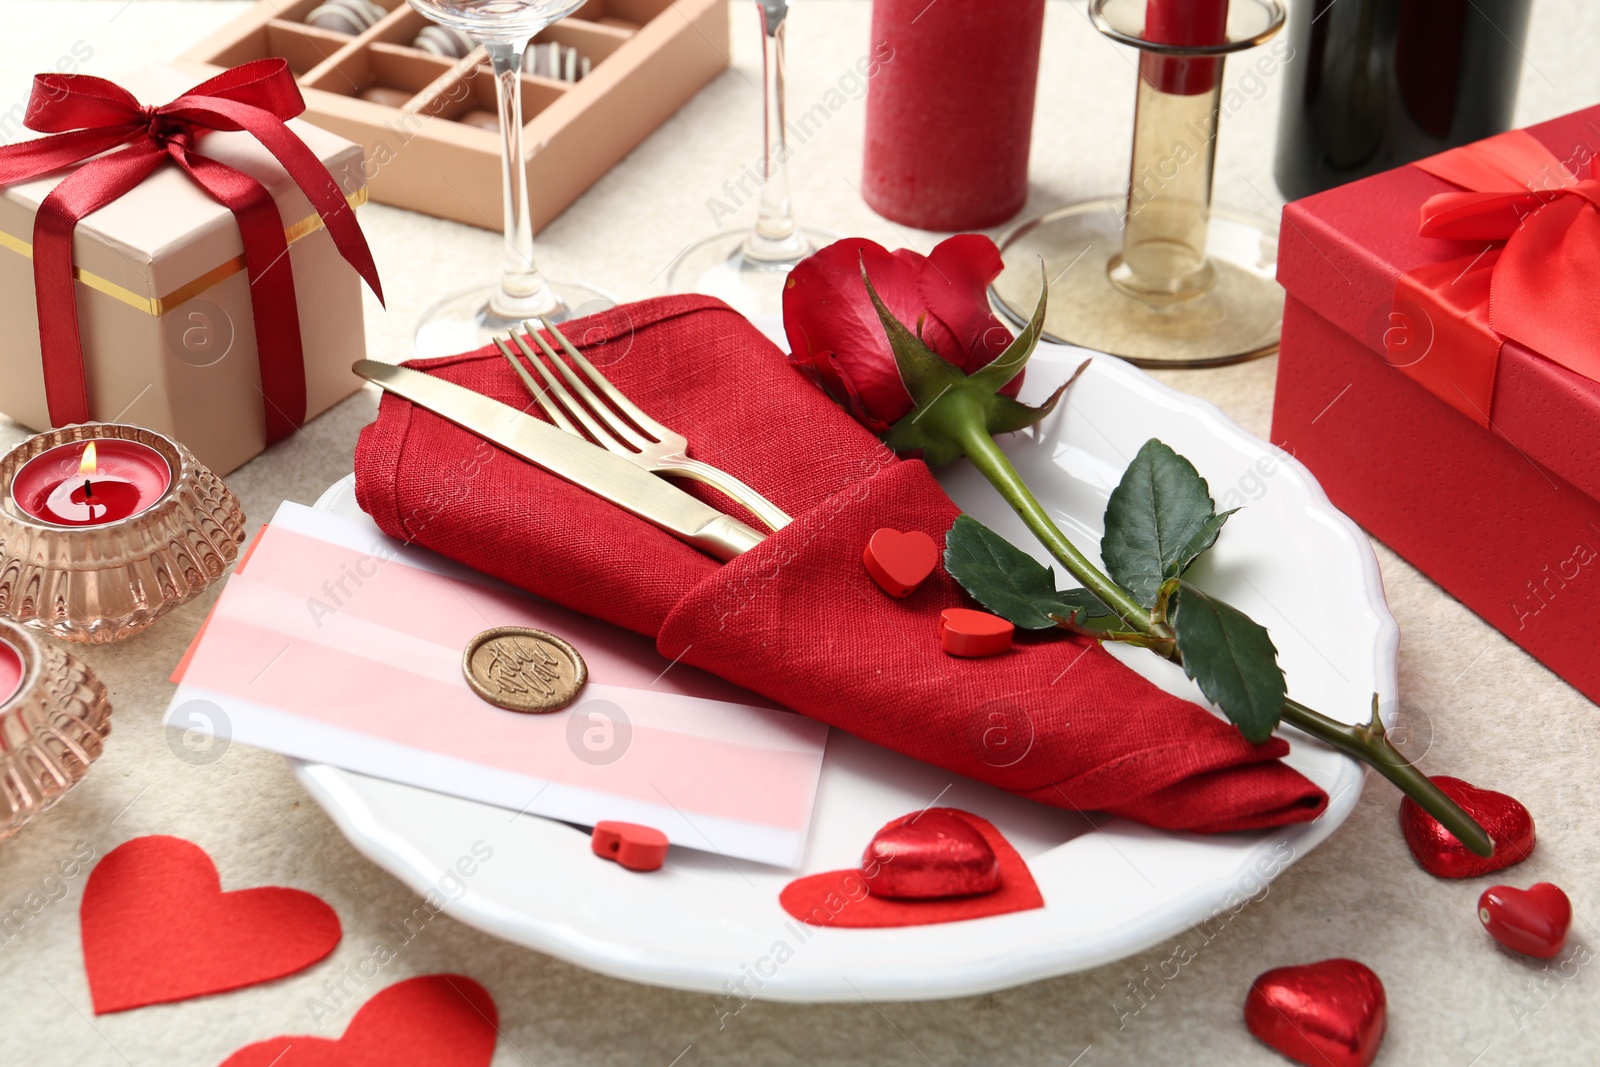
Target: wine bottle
[1373,84]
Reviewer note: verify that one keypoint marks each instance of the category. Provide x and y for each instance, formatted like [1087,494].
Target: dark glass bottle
[1373,84]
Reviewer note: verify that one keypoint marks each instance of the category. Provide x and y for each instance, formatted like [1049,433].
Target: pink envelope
[335,644]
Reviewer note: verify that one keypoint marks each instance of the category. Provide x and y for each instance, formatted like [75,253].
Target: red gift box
[1441,341]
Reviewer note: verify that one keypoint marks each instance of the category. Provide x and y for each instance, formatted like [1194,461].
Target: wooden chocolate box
[428,125]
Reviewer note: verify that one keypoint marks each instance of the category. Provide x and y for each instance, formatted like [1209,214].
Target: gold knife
[608,476]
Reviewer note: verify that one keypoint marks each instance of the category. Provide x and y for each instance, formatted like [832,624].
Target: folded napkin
[797,618]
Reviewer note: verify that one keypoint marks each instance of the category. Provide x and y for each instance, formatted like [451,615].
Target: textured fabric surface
[797,618]
[1471,703]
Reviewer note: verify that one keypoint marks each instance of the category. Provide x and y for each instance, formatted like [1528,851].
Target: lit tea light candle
[91,483]
[105,528]
[10,671]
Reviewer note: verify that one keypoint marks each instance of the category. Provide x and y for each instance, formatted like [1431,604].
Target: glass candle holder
[97,543]
[54,719]
[1160,276]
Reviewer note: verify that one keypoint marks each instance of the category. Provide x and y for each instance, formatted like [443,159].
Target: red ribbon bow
[88,116]
[1538,288]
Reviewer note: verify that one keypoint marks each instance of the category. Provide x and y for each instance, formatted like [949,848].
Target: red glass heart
[1326,1014]
[899,562]
[1441,855]
[936,854]
[1533,921]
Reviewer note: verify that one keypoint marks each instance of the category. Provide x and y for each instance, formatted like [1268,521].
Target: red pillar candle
[950,110]
[10,671]
[1183,22]
[91,483]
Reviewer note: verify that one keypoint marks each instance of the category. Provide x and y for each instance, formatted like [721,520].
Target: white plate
[1111,887]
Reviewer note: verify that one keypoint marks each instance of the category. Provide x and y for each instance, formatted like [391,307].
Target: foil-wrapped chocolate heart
[1438,851]
[936,854]
[1328,1014]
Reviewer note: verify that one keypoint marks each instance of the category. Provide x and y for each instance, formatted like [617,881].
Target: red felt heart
[437,1020]
[157,927]
[841,898]
[1441,855]
[936,855]
[899,562]
[965,632]
[1533,921]
[1326,1014]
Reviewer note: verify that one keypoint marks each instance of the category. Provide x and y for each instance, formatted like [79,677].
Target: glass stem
[775,238]
[1163,258]
[523,293]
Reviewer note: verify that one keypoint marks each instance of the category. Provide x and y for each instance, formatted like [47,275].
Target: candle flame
[90,464]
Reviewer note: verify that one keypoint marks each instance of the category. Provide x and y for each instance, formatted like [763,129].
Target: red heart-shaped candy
[936,855]
[442,1020]
[1326,1014]
[1533,921]
[965,632]
[842,898]
[157,927]
[1438,851]
[899,562]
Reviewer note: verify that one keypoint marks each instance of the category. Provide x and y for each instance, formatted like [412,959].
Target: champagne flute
[747,270]
[472,319]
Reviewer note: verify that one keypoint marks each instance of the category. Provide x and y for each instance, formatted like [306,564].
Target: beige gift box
[164,301]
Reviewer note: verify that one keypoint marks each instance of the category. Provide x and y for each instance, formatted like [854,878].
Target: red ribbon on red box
[1535,282]
[88,116]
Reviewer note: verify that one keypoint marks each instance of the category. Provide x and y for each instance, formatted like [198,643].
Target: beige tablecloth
[1473,702]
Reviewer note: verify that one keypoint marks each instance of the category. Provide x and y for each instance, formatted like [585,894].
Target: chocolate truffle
[346,16]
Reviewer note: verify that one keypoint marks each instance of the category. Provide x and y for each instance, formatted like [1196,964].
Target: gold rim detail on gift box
[520,669]
[160,305]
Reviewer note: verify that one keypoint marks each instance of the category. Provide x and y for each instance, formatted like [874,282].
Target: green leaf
[1161,511]
[926,374]
[1203,539]
[1233,659]
[1008,364]
[1009,582]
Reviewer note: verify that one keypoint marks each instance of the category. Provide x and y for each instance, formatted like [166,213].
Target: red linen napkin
[797,618]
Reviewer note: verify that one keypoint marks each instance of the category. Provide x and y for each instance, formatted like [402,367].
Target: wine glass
[472,319]
[747,270]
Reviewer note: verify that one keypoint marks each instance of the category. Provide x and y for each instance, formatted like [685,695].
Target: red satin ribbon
[88,116]
[1536,281]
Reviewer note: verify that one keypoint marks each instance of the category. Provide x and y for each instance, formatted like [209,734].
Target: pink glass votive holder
[83,560]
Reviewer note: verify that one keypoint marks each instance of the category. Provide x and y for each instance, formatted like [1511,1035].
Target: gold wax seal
[519,669]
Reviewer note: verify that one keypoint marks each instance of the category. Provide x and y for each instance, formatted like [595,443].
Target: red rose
[835,334]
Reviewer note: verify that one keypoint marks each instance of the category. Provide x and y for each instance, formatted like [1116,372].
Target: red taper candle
[1184,22]
[950,110]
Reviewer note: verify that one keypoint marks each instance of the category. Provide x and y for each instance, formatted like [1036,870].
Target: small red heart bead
[899,562]
[965,632]
[1327,1014]
[1533,921]
[1438,851]
[638,848]
[936,854]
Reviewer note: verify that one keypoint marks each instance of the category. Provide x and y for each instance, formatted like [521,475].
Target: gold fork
[651,445]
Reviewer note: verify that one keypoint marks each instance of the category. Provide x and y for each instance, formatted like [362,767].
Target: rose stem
[962,422]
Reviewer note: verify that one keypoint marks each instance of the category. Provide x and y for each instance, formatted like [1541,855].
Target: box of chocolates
[421,101]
